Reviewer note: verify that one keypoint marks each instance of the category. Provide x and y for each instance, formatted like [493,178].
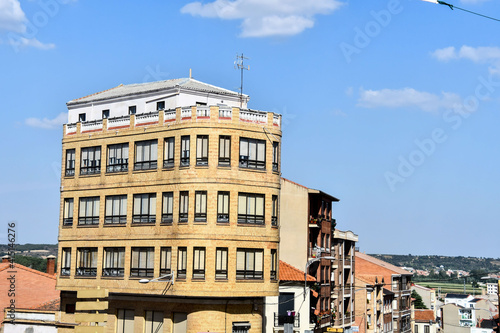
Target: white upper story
[144,98]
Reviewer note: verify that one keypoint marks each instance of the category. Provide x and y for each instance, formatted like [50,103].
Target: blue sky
[391,106]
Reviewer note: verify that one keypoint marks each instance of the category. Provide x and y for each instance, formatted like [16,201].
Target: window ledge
[197,280]
[116,173]
[91,175]
[85,277]
[67,226]
[253,170]
[226,167]
[145,171]
[201,166]
[88,225]
[251,225]
[250,281]
[221,280]
[112,277]
[142,224]
[112,225]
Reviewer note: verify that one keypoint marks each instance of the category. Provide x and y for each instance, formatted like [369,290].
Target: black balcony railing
[113,271]
[281,320]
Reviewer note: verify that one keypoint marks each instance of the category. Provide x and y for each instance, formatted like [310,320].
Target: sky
[390,106]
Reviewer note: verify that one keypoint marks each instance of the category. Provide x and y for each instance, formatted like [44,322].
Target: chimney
[51,265]
[5,259]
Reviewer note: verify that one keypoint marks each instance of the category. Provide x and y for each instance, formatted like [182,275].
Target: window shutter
[240,260]
[152,205]
[259,261]
[242,204]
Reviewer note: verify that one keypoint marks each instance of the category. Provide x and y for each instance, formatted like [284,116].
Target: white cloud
[21,42]
[262,18]
[408,97]
[45,123]
[12,17]
[475,54]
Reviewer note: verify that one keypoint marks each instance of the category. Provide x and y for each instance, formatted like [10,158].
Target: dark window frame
[164,262]
[70,162]
[248,218]
[167,217]
[220,263]
[147,271]
[89,219]
[224,150]
[66,261]
[248,273]
[200,208]
[275,156]
[182,262]
[90,166]
[146,163]
[202,145]
[183,213]
[109,265]
[169,149]
[115,218]
[115,164]
[141,218]
[275,210]
[199,271]
[222,215]
[68,209]
[85,266]
[252,163]
[185,150]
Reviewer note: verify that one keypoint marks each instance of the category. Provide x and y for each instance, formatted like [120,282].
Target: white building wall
[301,306]
[22,328]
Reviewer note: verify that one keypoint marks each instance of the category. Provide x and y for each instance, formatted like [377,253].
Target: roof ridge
[99,92]
[290,181]
[295,270]
[31,270]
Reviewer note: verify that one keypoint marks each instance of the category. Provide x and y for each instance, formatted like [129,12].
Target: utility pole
[238,64]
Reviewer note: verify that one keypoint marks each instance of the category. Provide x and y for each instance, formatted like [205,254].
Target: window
[250,208]
[66,261]
[274,264]
[165,260]
[82,117]
[105,114]
[146,155]
[70,162]
[185,150]
[223,207]
[202,150]
[116,209]
[117,158]
[87,262]
[153,321]
[68,212]
[167,215]
[168,159]
[132,109]
[200,209]
[426,329]
[114,261]
[274,217]
[275,156]
[252,153]
[91,161]
[125,321]
[89,211]
[199,263]
[249,264]
[224,150]
[416,329]
[160,105]
[241,327]
[183,206]
[144,208]
[181,262]
[221,263]
[142,264]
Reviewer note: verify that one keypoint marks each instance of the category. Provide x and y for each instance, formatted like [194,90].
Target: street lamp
[307,265]
[171,275]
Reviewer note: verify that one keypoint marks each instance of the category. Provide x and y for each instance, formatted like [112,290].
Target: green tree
[419,303]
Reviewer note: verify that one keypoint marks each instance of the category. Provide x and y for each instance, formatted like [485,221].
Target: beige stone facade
[211,222]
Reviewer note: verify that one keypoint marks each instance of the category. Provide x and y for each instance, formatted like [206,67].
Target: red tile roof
[381,263]
[52,305]
[290,273]
[32,288]
[424,315]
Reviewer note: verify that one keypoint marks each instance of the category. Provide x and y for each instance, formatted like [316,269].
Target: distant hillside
[467,264]
[31,250]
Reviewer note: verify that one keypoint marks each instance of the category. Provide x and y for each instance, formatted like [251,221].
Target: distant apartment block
[398,281]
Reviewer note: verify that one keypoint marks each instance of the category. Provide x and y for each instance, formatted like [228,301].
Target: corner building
[176,181]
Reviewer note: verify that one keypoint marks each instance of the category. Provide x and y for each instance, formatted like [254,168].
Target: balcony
[281,320]
[170,117]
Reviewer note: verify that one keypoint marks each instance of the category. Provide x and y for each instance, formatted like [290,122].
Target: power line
[465,10]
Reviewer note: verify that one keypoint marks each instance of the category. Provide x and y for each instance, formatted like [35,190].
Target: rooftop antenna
[238,64]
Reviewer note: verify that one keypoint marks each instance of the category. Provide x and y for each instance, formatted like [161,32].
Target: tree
[418,303]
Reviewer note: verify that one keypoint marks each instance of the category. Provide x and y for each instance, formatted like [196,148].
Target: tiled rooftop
[140,88]
[290,273]
[424,315]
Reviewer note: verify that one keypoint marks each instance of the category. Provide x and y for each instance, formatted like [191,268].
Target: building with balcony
[309,239]
[291,307]
[428,297]
[373,304]
[343,279]
[169,209]
[397,280]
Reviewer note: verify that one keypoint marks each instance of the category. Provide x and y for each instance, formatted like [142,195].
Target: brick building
[309,238]
[169,209]
[397,281]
